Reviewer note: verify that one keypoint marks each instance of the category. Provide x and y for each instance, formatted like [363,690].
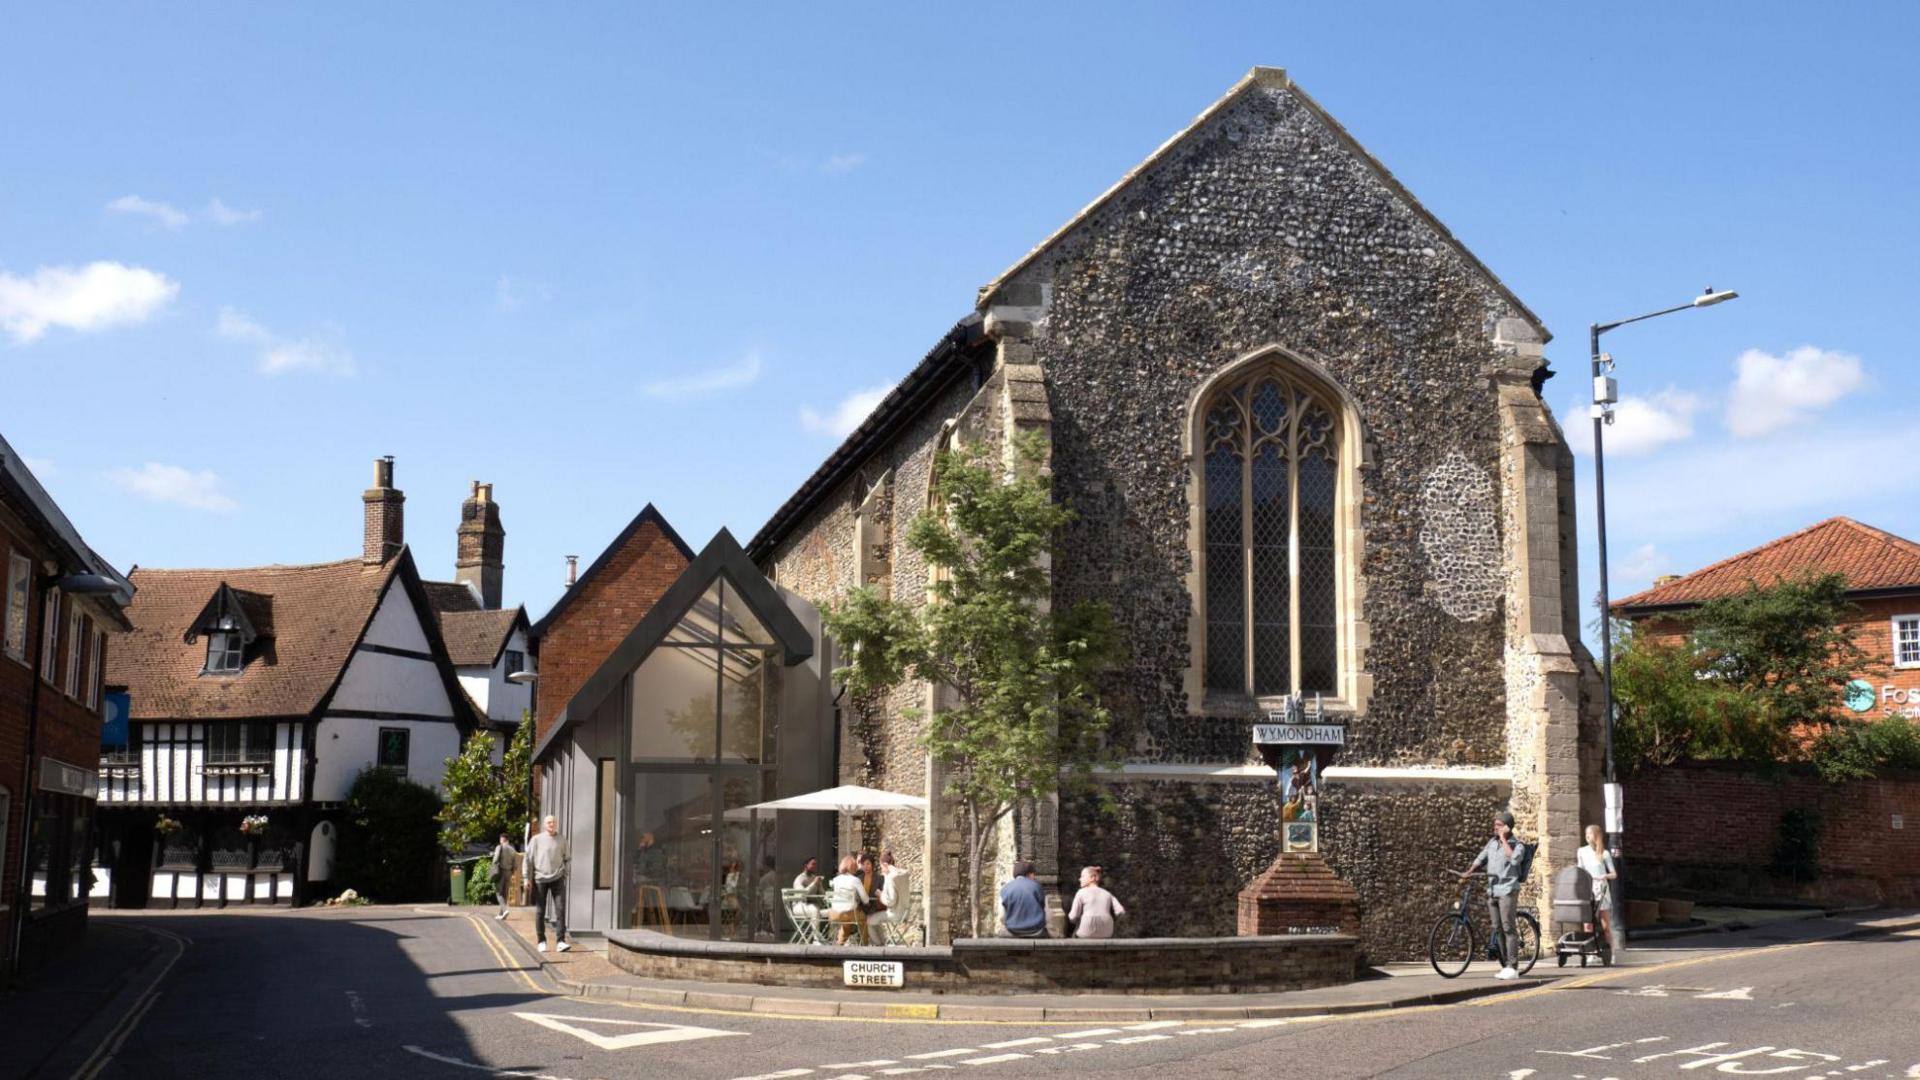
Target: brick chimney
[477,561]
[385,531]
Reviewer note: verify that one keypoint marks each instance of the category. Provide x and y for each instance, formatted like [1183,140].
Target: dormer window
[224,649]
[235,623]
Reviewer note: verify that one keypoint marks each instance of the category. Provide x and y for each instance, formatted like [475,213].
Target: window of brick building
[13,631]
[225,648]
[96,658]
[1906,641]
[76,649]
[50,635]
[240,742]
[1270,476]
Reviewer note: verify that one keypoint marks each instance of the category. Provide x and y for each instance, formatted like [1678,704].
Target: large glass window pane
[671,868]
[1226,572]
[675,710]
[745,871]
[701,624]
[739,625]
[1272,601]
[746,695]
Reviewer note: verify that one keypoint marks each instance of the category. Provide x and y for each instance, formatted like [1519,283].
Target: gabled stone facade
[1261,238]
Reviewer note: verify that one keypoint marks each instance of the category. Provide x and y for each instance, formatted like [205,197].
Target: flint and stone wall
[1265,228]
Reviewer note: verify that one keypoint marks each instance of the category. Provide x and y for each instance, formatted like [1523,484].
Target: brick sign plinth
[1299,894]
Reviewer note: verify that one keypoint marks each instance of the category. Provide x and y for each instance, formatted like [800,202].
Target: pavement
[435,992]
[80,995]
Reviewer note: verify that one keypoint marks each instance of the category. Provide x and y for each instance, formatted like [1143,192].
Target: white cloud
[325,354]
[1773,392]
[1643,563]
[84,299]
[726,378]
[837,164]
[1640,425]
[222,214]
[172,484]
[513,293]
[167,217]
[847,415]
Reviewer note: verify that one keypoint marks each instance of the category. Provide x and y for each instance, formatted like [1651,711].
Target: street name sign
[884,974]
[1300,734]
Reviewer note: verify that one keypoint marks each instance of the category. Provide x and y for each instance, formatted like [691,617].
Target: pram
[1575,920]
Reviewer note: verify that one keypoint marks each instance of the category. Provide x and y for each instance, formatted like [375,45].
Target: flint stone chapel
[1302,429]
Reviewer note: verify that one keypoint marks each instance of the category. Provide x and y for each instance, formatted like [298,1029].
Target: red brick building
[1883,580]
[53,643]
[600,608]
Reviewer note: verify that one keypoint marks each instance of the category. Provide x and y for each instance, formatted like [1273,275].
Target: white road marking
[862,1064]
[1204,1031]
[1519,1074]
[1090,1033]
[1137,1039]
[905,1069]
[942,1053]
[445,1060]
[1744,993]
[1010,1043]
[1154,1025]
[995,1059]
[658,1033]
[781,1075]
[1072,1049]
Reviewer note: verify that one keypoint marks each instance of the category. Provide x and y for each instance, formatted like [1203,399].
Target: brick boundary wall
[1707,830]
[1011,966]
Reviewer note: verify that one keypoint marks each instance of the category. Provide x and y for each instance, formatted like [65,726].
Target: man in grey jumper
[1505,858]
[547,863]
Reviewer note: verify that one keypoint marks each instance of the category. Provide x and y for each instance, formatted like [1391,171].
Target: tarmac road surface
[400,992]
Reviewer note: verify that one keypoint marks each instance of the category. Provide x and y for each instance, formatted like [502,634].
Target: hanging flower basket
[165,825]
[253,824]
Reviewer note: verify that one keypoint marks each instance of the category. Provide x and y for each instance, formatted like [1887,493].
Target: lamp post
[83,584]
[1604,395]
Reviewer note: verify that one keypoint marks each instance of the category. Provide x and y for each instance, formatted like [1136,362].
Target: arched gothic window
[1270,475]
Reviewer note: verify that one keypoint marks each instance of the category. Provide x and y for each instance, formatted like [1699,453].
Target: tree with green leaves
[484,800]
[388,848]
[1022,676]
[1757,676]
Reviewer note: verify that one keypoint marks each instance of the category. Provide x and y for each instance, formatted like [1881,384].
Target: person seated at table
[870,880]
[848,903]
[893,891]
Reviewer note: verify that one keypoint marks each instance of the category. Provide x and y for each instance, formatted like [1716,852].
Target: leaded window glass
[1270,479]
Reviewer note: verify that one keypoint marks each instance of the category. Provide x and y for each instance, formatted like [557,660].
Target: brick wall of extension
[611,602]
[1710,831]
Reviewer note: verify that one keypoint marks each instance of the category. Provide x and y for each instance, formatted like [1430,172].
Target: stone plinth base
[1299,894]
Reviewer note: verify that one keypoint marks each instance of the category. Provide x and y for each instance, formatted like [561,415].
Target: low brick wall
[1011,965]
[1708,830]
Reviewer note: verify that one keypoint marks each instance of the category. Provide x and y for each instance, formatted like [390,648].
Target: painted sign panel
[1860,695]
[58,776]
[113,722]
[1300,734]
[886,974]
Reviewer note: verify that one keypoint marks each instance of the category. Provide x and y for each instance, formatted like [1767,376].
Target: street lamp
[1605,393]
[526,678]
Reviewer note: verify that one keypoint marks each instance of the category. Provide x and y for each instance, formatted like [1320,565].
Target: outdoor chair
[902,927]
[807,930]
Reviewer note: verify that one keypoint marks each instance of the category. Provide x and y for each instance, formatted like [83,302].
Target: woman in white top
[848,897]
[1094,908]
[893,891]
[1598,864]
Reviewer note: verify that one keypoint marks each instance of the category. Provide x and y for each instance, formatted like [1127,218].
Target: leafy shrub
[480,882]
[1861,749]
[390,841]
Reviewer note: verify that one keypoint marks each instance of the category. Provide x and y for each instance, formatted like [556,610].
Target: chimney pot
[1665,579]
[383,526]
[573,567]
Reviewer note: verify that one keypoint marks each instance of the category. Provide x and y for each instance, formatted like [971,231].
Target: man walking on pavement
[547,862]
[1505,858]
[503,856]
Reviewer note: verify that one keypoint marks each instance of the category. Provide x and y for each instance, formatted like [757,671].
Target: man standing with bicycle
[1505,859]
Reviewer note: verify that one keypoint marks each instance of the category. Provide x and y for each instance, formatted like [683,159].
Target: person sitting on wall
[1094,908]
[893,891]
[849,899]
[1023,905]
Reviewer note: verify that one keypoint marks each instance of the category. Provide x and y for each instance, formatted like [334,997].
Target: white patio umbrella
[847,799]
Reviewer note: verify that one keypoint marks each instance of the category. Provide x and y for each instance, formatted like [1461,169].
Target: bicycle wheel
[1450,945]
[1529,950]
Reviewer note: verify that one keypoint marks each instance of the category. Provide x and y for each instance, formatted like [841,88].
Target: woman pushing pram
[1583,904]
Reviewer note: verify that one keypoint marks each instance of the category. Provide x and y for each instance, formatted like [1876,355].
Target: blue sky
[606,255]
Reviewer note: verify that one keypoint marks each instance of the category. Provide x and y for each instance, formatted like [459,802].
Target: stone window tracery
[1270,468]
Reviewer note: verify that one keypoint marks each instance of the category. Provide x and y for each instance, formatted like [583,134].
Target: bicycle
[1451,944]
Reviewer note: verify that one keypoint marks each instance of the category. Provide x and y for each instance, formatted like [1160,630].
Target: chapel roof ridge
[1260,76]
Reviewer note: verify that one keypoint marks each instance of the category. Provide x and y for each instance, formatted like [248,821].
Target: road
[378,992]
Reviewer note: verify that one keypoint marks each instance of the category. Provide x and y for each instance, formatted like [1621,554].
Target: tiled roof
[444,596]
[319,612]
[1872,559]
[475,638]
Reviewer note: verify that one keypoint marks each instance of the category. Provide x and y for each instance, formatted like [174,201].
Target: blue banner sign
[113,726]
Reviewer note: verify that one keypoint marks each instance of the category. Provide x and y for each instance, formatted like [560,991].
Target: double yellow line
[117,1035]
[501,953]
